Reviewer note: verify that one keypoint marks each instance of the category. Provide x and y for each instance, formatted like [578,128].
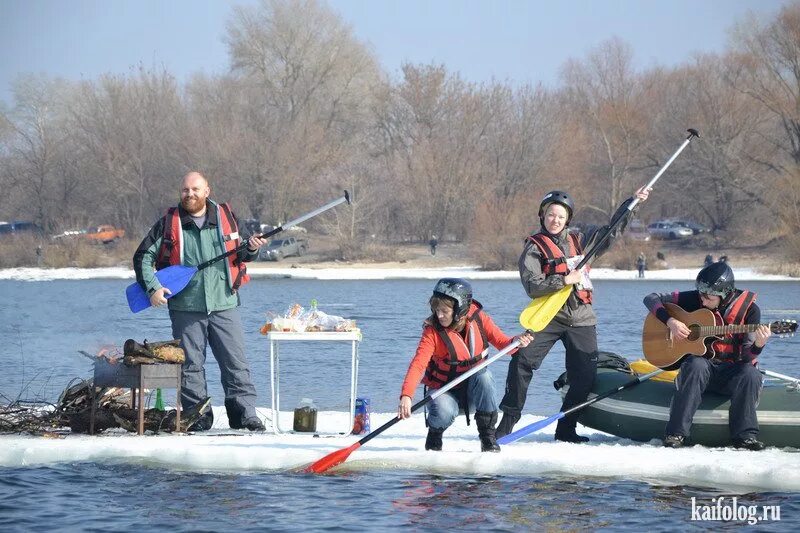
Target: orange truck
[104,233]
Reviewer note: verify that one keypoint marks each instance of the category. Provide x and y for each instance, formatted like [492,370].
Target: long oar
[541,311]
[340,456]
[783,377]
[176,277]
[536,426]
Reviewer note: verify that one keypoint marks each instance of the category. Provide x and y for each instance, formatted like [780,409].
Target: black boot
[202,423]
[486,422]
[434,439]
[506,425]
[235,414]
[565,432]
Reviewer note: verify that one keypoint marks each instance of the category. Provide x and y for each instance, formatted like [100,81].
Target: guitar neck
[729,329]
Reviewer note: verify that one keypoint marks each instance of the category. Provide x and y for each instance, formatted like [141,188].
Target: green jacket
[209,290]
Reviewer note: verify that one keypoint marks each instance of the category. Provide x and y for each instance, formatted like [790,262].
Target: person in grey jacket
[546,266]
[205,313]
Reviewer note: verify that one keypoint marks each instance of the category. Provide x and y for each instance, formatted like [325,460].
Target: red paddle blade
[332,459]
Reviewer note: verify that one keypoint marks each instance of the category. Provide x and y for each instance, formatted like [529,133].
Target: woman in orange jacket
[455,338]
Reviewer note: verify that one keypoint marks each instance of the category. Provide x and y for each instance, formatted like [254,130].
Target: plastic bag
[298,319]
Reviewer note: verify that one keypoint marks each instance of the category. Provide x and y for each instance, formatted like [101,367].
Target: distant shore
[375,272]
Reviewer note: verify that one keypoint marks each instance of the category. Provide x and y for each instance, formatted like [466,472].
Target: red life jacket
[554,260]
[728,348]
[461,357]
[171,251]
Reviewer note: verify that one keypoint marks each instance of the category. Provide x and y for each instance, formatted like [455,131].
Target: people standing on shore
[433,243]
[641,264]
[545,267]
[205,313]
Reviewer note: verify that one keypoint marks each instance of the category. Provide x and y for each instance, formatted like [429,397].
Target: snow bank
[351,273]
[401,448]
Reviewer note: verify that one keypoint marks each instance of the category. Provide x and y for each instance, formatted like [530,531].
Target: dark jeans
[741,381]
[581,362]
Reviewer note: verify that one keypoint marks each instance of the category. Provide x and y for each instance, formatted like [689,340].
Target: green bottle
[159,400]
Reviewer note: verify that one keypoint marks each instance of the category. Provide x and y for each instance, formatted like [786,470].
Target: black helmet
[716,279]
[456,289]
[556,197]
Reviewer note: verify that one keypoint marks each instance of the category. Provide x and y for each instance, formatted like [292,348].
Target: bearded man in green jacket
[205,313]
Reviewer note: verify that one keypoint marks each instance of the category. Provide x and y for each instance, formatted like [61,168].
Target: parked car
[253,225]
[103,234]
[9,229]
[277,249]
[668,230]
[637,231]
[694,226]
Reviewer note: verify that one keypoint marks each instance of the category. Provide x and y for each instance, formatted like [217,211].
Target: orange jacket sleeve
[495,335]
[419,362]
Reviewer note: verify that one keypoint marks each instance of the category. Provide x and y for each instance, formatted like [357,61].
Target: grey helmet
[716,279]
[556,197]
[457,289]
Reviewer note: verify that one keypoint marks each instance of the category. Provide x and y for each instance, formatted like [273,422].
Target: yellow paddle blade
[541,311]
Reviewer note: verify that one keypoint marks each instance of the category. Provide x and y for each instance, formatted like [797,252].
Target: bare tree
[607,98]
[769,72]
[308,85]
[37,146]
[132,128]
[434,132]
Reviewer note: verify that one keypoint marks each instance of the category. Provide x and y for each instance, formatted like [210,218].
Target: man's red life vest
[461,356]
[171,251]
[727,348]
[554,260]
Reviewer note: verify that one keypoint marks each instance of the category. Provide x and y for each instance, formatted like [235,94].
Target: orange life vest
[728,347]
[554,260]
[462,355]
[171,251]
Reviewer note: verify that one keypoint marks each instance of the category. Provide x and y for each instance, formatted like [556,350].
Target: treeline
[306,111]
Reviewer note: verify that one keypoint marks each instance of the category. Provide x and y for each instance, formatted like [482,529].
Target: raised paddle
[536,426]
[340,456]
[176,277]
[541,311]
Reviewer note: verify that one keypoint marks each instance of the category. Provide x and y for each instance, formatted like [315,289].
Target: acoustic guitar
[663,351]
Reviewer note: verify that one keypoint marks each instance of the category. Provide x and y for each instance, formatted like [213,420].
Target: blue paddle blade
[175,278]
[531,428]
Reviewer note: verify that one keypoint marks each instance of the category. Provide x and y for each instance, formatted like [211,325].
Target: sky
[509,40]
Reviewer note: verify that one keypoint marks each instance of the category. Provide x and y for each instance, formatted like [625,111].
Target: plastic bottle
[159,400]
[305,416]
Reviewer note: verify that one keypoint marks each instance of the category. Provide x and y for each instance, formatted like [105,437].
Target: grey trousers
[222,331]
[742,382]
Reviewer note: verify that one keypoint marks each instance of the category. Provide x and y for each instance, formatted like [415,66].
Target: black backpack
[604,360]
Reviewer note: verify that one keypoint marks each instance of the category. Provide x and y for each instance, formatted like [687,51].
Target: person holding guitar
[727,366]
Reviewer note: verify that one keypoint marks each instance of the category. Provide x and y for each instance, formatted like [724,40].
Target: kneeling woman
[455,338]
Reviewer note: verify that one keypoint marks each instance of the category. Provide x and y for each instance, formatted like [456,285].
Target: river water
[44,324]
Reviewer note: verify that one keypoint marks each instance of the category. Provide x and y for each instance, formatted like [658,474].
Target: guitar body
[665,352]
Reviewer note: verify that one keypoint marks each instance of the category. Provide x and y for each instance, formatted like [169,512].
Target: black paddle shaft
[603,396]
[621,216]
[393,421]
[270,233]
